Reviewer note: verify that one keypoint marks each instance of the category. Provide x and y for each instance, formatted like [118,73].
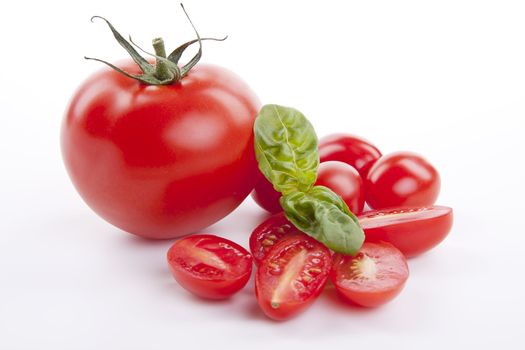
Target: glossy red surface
[265,196]
[401,179]
[344,180]
[161,161]
[349,149]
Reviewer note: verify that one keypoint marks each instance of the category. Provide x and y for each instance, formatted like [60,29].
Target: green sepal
[166,70]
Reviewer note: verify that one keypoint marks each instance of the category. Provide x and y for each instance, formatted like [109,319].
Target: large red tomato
[161,161]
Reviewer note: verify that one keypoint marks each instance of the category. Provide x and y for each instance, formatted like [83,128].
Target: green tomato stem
[162,71]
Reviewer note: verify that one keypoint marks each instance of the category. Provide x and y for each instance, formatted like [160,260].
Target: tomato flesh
[161,161]
[412,230]
[291,276]
[344,180]
[268,233]
[210,266]
[349,149]
[401,179]
[373,277]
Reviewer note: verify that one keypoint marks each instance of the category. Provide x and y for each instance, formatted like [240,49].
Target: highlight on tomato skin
[375,276]
[292,276]
[350,149]
[412,230]
[344,180]
[209,266]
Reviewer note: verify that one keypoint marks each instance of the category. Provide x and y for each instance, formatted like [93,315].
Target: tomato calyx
[166,69]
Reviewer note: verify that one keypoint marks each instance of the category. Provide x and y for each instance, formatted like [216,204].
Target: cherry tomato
[210,266]
[269,232]
[411,230]
[291,276]
[264,195]
[340,177]
[344,180]
[161,161]
[401,179]
[349,149]
[373,277]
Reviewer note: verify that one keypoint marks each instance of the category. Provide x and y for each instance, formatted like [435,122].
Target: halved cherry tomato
[210,266]
[401,179]
[411,230]
[373,277]
[292,276]
[344,180]
[349,149]
[269,232]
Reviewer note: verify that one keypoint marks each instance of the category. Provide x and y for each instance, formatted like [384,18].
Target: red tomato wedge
[411,230]
[292,276]
[269,232]
[373,277]
[210,266]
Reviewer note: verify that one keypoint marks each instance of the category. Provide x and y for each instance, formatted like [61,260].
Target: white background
[443,78]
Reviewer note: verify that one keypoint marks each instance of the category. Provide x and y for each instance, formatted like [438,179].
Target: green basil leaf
[286,148]
[323,215]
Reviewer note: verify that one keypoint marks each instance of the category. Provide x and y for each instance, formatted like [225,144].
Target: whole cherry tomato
[344,180]
[210,266]
[291,276]
[412,230]
[373,277]
[340,177]
[401,179]
[162,150]
[349,149]
[265,196]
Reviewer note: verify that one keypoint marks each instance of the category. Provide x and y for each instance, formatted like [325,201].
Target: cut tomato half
[412,230]
[269,232]
[291,276]
[371,278]
[210,266]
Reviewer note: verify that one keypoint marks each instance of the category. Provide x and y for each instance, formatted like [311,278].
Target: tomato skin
[390,273]
[217,283]
[413,230]
[349,149]
[283,257]
[344,180]
[161,161]
[265,196]
[268,233]
[401,179]
[340,177]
